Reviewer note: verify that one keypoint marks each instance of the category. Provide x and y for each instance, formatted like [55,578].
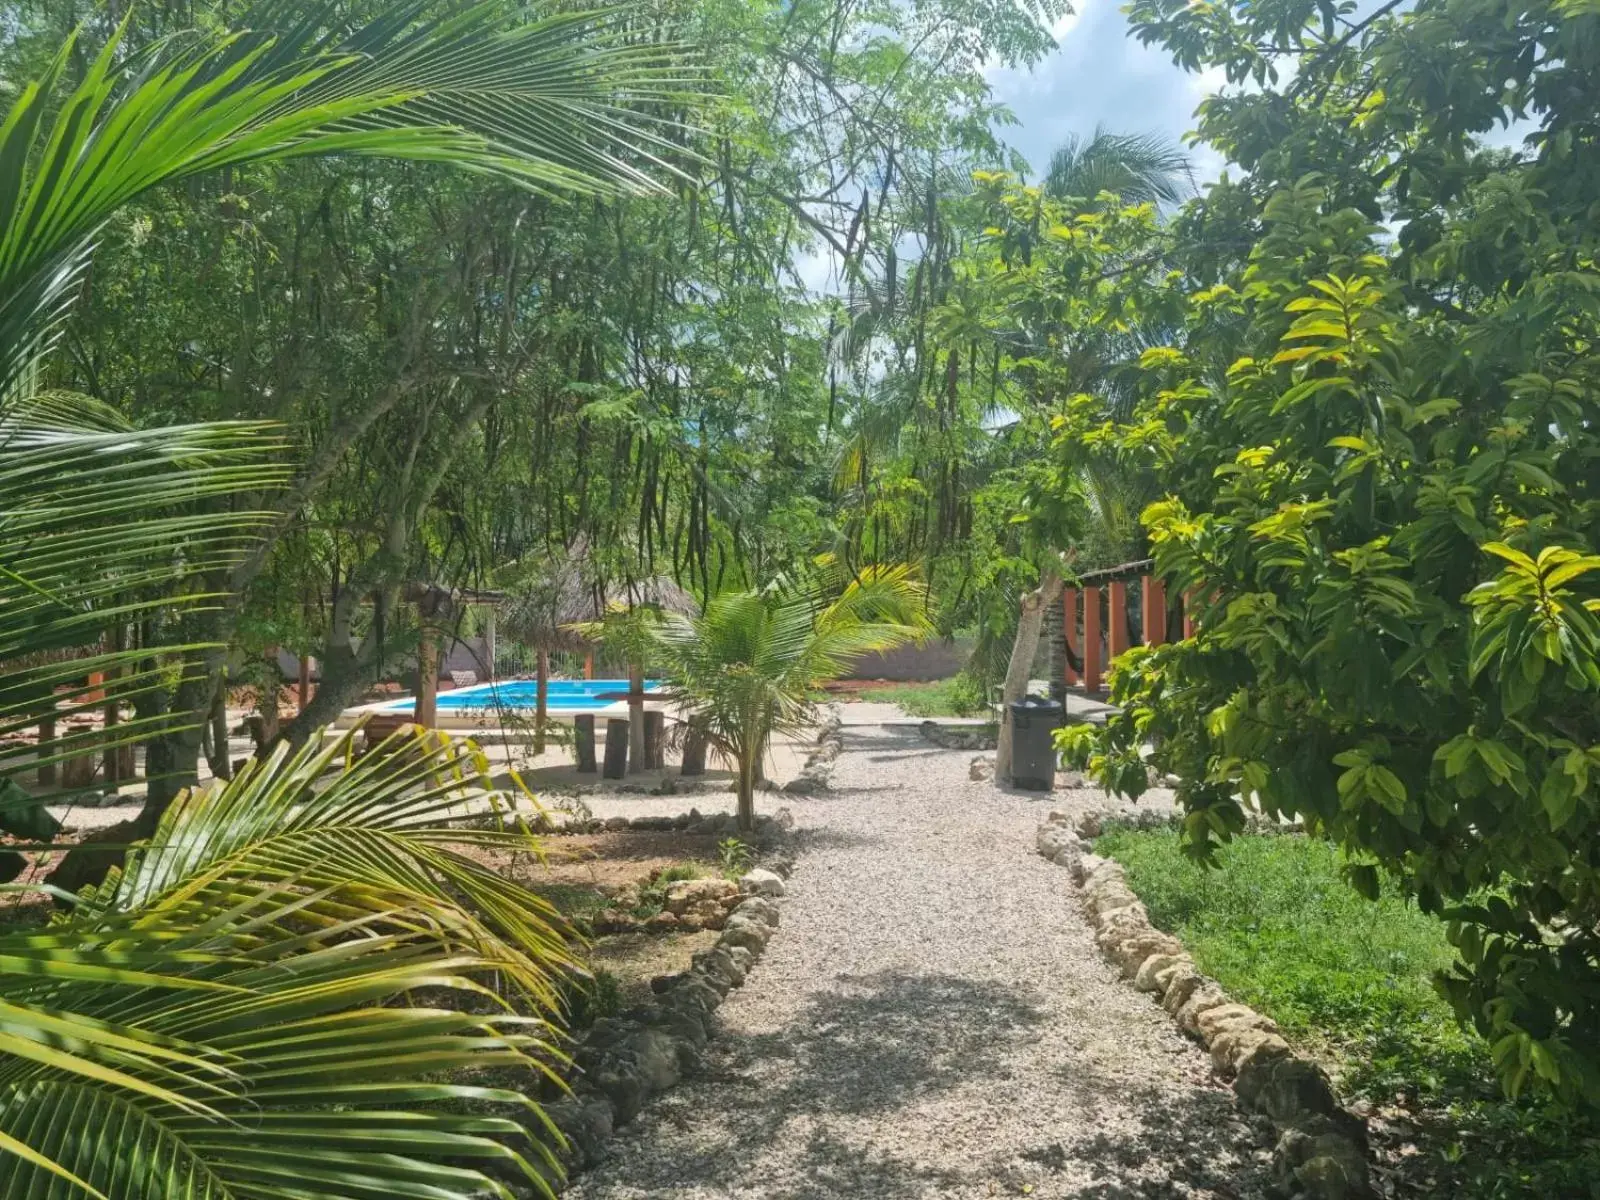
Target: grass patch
[1350,979]
[957,697]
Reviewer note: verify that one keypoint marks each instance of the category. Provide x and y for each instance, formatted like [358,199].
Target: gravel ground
[934,1020]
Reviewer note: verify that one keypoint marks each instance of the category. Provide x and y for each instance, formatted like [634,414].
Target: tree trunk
[747,794]
[1021,664]
[217,753]
[694,749]
[638,760]
[616,748]
[425,710]
[541,710]
[655,740]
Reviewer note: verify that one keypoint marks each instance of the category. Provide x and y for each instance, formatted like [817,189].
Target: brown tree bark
[1017,671]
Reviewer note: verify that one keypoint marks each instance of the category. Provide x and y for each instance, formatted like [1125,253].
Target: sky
[1101,74]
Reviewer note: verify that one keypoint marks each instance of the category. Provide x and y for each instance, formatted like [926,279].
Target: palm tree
[238,1010]
[746,668]
[1135,167]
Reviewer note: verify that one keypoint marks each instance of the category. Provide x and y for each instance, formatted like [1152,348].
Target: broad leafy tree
[1376,429]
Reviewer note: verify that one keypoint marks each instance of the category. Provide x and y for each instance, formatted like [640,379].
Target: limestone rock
[745,932]
[1233,1048]
[1145,977]
[1215,1020]
[688,894]
[662,922]
[587,1123]
[1319,1158]
[1288,1090]
[757,908]
[1202,1000]
[1178,987]
[1130,953]
[761,882]
[981,769]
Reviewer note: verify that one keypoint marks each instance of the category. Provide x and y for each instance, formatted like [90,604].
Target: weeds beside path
[1349,980]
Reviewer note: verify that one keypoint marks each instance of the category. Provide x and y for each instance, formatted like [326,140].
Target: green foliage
[592,998]
[1378,455]
[958,696]
[653,893]
[748,666]
[733,856]
[1279,926]
[236,1011]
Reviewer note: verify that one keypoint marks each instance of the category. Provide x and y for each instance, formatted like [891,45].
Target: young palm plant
[747,667]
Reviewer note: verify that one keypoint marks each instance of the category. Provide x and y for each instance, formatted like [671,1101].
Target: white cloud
[1102,75]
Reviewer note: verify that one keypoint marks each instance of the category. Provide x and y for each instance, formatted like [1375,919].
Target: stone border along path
[1322,1149]
[934,1020]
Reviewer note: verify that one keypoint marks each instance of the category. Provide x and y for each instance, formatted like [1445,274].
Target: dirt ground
[602,860]
[634,958]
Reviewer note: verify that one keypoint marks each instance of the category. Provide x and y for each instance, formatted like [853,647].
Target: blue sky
[1101,74]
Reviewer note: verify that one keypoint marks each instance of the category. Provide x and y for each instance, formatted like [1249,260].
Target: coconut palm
[747,667]
[1135,167]
[237,1010]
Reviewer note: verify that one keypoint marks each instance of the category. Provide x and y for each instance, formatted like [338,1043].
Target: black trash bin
[1034,720]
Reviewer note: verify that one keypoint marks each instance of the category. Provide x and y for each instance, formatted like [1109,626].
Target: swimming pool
[571,696]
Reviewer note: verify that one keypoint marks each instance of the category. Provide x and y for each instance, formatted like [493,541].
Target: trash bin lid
[1037,706]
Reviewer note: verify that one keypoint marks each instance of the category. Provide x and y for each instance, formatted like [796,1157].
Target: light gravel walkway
[933,1020]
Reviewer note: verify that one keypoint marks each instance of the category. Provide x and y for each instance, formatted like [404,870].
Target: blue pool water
[565,695]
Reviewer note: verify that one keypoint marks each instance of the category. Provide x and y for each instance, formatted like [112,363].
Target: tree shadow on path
[811,1112]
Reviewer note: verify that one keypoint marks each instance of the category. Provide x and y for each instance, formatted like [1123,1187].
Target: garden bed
[1349,982]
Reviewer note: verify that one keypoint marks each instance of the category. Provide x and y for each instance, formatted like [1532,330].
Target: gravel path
[934,1020]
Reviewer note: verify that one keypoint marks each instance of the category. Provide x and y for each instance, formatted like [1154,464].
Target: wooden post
[583,738]
[638,760]
[1091,639]
[588,665]
[1153,610]
[655,751]
[1117,630]
[111,755]
[47,747]
[489,646]
[694,750]
[616,748]
[541,706]
[1069,631]
[425,712]
[303,686]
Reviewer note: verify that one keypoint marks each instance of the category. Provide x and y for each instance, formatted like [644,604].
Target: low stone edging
[960,737]
[816,775]
[1322,1148]
[624,1061]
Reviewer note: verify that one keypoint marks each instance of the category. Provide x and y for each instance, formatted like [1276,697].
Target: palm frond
[558,103]
[243,1002]
[1136,168]
[97,520]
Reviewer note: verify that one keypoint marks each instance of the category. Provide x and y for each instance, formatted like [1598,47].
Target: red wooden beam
[1091,638]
